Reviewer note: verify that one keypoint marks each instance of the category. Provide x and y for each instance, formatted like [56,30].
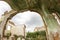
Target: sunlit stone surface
[42,7]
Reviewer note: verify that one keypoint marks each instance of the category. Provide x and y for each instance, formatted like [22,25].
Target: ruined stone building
[15,30]
[40,28]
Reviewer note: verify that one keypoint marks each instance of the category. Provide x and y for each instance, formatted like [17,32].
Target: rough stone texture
[43,7]
[4,22]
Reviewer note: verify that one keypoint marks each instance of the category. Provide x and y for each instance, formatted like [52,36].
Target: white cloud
[31,19]
[4,7]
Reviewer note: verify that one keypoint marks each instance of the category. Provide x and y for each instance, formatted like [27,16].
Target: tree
[39,35]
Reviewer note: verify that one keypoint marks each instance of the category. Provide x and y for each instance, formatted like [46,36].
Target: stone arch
[36,8]
[11,15]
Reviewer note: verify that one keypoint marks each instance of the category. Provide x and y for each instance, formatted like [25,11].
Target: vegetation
[7,35]
[46,8]
[20,36]
[40,35]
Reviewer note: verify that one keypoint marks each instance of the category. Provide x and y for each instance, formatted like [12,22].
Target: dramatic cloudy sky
[30,19]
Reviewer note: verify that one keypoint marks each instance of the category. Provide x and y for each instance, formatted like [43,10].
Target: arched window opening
[28,18]
[26,22]
[4,7]
[8,28]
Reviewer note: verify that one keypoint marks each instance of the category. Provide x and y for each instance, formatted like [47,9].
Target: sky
[30,19]
[4,7]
